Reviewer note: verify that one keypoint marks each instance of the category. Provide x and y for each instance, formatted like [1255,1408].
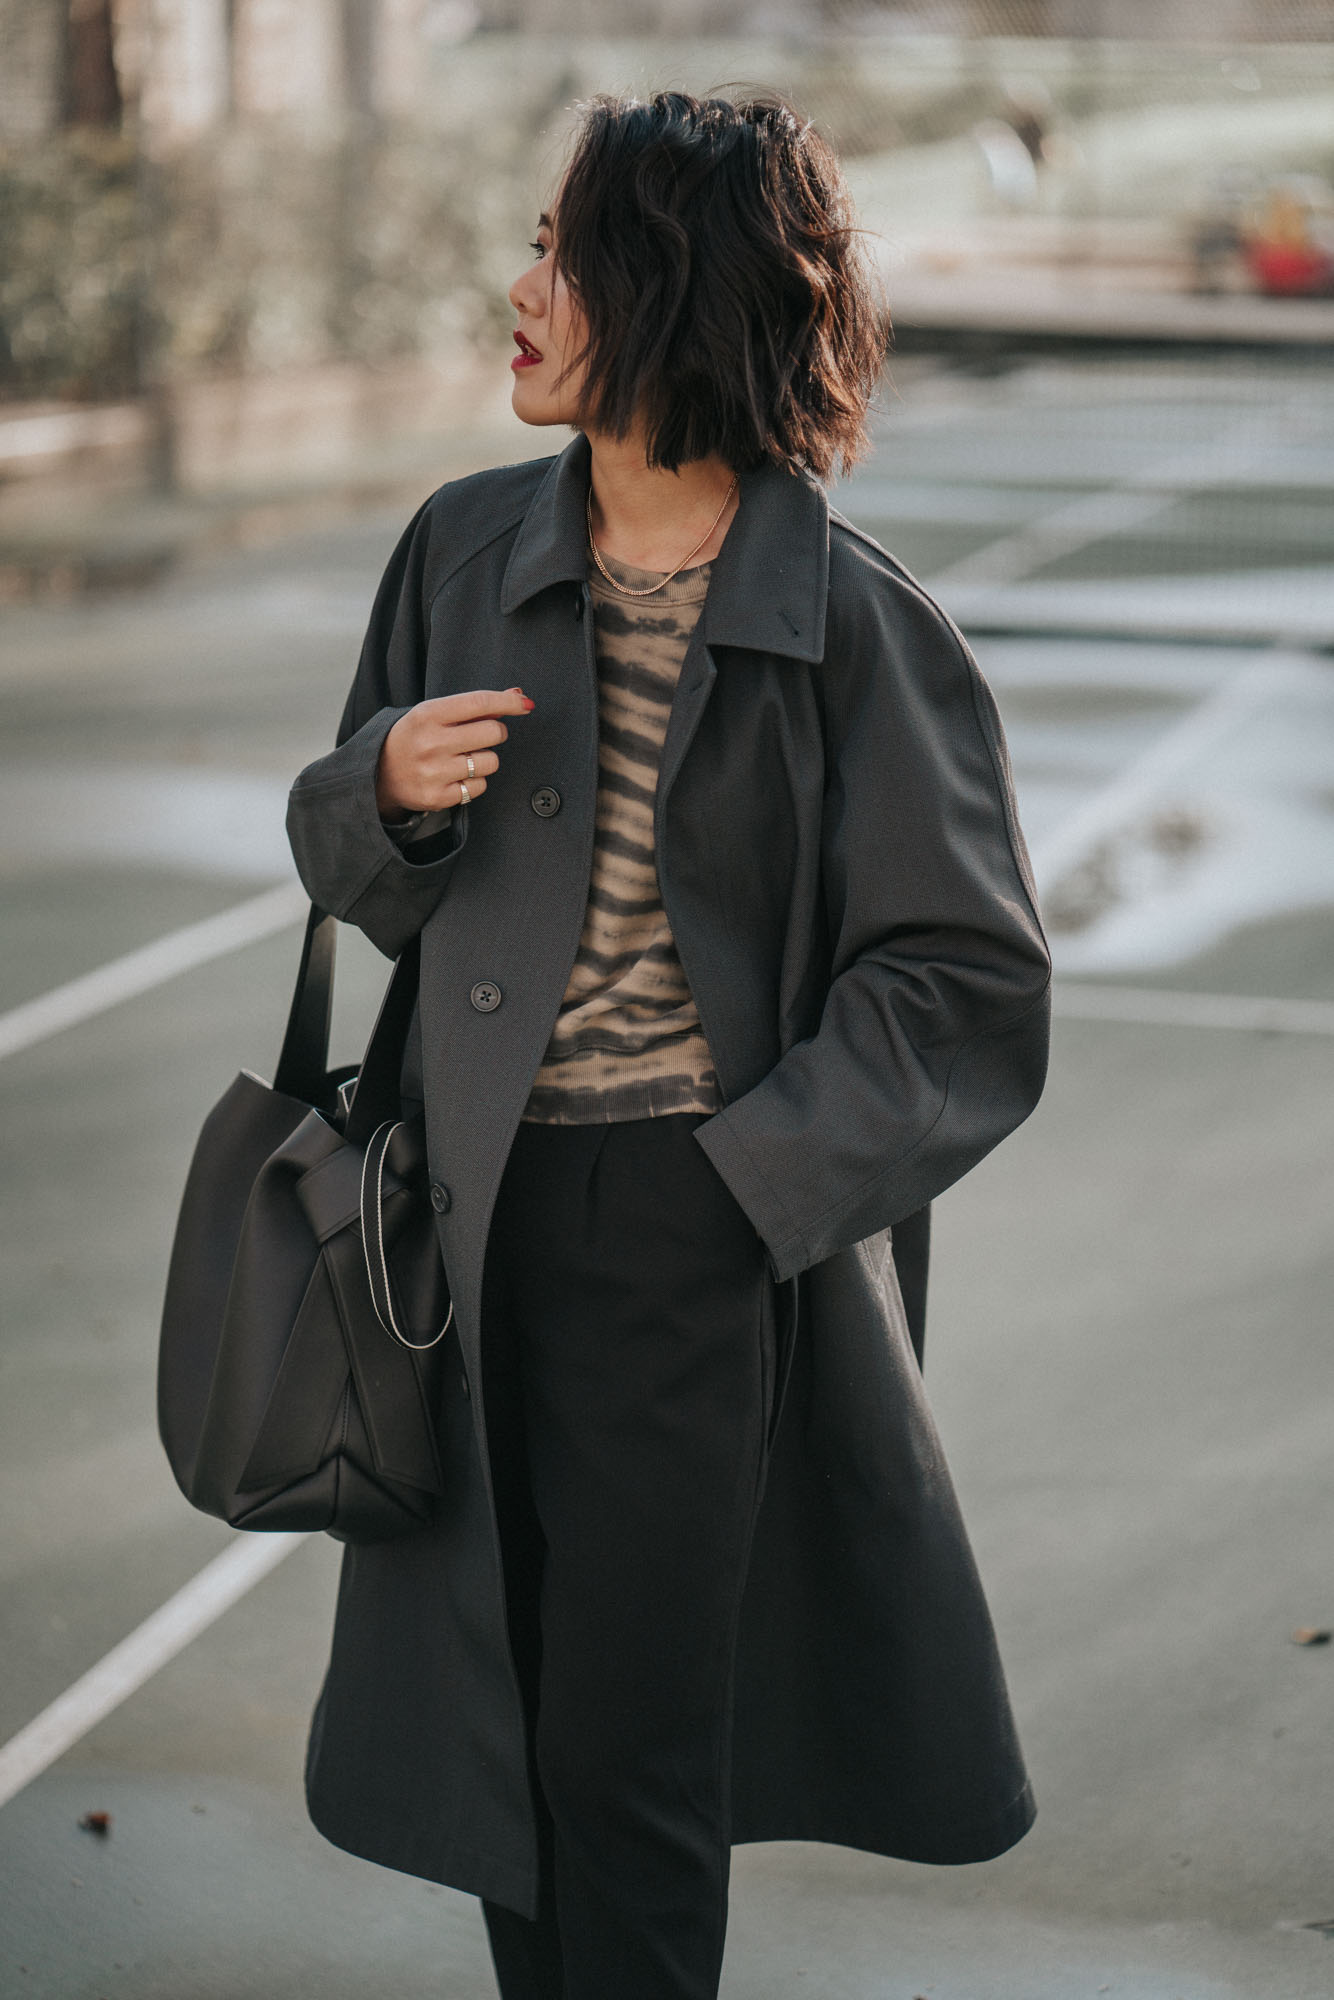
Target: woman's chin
[530,409]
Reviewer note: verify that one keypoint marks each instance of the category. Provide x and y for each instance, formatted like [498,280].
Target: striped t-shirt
[627,1041]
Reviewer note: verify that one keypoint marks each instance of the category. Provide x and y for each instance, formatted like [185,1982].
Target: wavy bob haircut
[729,305]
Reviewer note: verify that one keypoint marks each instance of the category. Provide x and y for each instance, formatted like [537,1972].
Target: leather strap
[377,1094]
[378,1273]
[303,1063]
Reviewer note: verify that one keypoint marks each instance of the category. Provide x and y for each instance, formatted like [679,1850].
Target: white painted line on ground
[139,971]
[165,1633]
[1141,783]
[1090,518]
[1256,609]
[1154,1007]
[1106,512]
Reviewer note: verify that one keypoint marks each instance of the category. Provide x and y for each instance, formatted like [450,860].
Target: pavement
[1128,1350]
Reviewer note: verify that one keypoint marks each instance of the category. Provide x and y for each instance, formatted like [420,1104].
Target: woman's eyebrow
[544,220]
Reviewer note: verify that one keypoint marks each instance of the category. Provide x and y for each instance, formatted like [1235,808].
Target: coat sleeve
[932,1043]
[352,865]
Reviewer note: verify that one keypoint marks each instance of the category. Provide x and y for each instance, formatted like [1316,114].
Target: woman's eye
[538,249]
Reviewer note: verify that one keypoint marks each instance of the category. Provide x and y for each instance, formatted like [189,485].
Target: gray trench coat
[845,878]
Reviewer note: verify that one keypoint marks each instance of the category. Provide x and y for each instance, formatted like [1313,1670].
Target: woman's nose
[526,297]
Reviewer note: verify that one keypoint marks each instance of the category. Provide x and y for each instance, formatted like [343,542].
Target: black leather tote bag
[306,1299]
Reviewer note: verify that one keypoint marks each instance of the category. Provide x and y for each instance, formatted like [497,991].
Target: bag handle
[373,1116]
[372,1234]
[303,1064]
[377,1093]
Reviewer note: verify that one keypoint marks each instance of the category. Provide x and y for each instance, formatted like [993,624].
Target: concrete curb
[82,508]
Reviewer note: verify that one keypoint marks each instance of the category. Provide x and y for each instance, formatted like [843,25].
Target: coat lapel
[767,592]
[770,578]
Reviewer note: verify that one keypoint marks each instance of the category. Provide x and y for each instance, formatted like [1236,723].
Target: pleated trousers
[628,1327]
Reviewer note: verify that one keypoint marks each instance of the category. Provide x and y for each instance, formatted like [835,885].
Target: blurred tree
[359,25]
[92,88]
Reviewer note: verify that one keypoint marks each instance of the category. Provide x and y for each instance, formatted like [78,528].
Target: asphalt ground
[1129,1346]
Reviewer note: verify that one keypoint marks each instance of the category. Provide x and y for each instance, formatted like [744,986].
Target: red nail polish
[528,702]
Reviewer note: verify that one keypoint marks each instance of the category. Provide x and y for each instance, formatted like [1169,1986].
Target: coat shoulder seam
[900,574]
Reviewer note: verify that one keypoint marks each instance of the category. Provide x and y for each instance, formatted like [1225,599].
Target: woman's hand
[424,758]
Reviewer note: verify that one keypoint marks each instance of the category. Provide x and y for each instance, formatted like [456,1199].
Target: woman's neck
[650,517]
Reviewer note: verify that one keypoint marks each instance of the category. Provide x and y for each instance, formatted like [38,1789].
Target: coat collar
[770,578]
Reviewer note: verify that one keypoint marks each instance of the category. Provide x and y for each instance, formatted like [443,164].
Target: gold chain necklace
[625,589]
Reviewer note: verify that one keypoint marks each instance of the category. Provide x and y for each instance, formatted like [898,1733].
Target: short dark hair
[712,249]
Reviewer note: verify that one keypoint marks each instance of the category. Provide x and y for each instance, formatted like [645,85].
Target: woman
[730,963]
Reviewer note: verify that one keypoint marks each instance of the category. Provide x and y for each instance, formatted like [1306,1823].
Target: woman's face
[551,327]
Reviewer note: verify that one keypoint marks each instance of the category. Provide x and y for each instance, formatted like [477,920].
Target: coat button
[485,996]
[545,802]
[440,1198]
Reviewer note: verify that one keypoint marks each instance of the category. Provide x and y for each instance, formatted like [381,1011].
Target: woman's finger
[440,776]
[482,766]
[458,737]
[424,758]
[476,703]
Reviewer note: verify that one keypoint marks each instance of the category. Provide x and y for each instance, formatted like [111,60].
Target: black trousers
[628,1378]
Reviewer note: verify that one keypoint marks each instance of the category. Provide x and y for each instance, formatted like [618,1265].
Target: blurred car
[1288,238]
[1273,235]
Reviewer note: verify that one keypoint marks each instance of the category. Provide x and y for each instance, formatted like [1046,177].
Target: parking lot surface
[1129,1350]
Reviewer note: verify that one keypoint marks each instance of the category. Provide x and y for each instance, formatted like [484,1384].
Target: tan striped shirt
[627,1041]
